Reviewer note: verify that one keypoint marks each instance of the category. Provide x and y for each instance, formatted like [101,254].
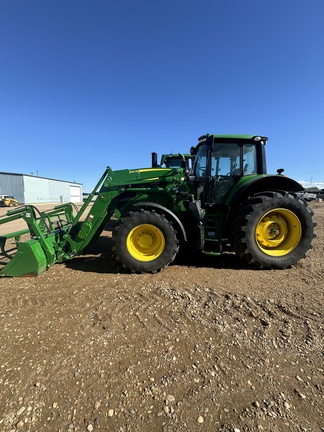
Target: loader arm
[57,235]
[53,236]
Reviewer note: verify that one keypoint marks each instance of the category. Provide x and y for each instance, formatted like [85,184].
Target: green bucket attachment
[45,232]
[29,259]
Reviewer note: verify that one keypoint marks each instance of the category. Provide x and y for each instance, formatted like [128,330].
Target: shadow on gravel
[193,258]
[98,258]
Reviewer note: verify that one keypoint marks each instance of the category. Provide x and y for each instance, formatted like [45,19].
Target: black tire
[273,230]
[145,242]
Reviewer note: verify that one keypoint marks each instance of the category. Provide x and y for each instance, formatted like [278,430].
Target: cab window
[225,160]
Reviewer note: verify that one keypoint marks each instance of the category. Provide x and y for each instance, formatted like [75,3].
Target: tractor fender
[257,185]
[263,184]
[165,210]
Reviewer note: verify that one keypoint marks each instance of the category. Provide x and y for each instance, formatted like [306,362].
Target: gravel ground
[204,345]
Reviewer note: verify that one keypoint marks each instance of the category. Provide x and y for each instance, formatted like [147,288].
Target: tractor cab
[221,161]
[177,161]
[174,160]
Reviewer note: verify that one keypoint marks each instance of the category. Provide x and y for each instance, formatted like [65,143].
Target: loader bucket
[35,248]
[29,259]
[50,236]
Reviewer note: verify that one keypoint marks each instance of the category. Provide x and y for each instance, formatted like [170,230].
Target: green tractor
[173,160]
[226,199]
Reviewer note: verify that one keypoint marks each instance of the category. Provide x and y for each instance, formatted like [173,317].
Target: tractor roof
[227,139]
[238,136]
[235,137]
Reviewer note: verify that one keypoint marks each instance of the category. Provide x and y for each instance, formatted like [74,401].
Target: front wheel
[273,230]
[145,242]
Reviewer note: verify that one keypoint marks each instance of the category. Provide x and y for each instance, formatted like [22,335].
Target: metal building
[29,189]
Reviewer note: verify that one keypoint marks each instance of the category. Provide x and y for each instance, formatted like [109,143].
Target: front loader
[226,200]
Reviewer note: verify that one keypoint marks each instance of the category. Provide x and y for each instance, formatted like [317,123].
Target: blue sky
[90,83]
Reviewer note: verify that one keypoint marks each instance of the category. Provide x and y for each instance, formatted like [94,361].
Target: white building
[29,189]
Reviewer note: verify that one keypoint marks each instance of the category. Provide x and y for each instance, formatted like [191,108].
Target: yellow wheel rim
[145,242]
[278,232]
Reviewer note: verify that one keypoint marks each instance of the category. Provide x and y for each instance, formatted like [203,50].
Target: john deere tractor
[226,199]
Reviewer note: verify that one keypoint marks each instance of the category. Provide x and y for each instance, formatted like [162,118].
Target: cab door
[225,170]
[229,161]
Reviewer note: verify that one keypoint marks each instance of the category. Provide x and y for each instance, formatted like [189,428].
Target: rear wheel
[273,230]
[145,242]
